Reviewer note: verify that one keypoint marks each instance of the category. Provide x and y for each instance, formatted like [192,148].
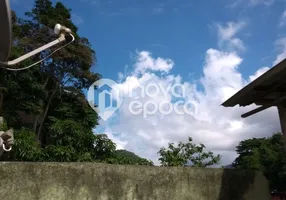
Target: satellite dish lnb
[6,39]
[5,30]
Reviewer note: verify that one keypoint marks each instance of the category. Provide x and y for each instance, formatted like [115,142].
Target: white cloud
[263,2]
[219,128]
[120,144]
[92,2]
[250,3]
[158,10]
[227,36]
[258,73]
[283,19]
[77,20]
[146,62]
[281,44]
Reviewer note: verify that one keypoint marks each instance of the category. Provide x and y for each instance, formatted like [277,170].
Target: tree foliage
[127,157]
[187,153]
[46,104]
[267,155]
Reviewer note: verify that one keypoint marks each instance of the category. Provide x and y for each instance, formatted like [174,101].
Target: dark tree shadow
[238,185]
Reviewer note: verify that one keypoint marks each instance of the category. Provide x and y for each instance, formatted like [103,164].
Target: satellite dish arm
[34,52]
[61,30]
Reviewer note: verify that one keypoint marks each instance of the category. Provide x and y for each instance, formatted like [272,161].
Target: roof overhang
[267,90]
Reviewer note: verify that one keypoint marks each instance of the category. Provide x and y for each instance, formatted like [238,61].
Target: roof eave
[236,98]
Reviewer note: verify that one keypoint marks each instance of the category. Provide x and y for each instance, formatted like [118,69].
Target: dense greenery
[45,104]
[187,154]
[267,155]
[127,157]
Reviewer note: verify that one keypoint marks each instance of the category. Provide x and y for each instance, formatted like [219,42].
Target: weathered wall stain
[90,181]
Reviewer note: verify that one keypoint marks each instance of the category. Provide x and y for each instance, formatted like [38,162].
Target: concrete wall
[87,181]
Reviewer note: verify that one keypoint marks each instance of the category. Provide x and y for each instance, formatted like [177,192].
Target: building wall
[88,181]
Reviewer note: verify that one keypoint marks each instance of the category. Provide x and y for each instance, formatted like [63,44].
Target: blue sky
[238,40]
[182,30]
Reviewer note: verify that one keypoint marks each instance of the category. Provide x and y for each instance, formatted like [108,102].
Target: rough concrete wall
[87,181]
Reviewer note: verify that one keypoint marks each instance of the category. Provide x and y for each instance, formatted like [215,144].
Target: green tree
[266,155]
[187,153]
[123,157]
[46,104]
[104,148]
[68,70]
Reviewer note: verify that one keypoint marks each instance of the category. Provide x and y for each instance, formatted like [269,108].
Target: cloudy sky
[213,48]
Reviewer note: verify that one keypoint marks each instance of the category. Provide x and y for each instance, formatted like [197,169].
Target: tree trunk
[1,103]
[37,117]
[39,132]
[46,82]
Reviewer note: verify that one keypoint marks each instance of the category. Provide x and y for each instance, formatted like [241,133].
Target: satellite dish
[6,39]
[5,30]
